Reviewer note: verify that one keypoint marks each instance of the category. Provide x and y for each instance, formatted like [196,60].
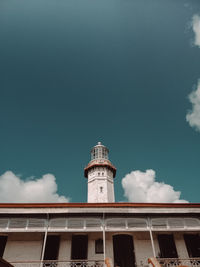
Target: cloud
[193,116]
[141,187]
[13,189]
[196,29]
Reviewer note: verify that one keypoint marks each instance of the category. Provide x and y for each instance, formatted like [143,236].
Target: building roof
[100,205]
[84,209]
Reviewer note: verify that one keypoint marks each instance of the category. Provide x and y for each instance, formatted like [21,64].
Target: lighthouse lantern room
[100,174]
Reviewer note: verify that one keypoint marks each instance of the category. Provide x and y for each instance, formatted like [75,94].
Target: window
[98,173]
[167,246]
[101,189]
[100,153]
[192,242]
[96,153]
[3,240]
[79,247]
[99,246]
[52,247]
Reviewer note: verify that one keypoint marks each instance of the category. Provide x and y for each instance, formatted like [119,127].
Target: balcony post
[104,240]
[151,237]
[44,242]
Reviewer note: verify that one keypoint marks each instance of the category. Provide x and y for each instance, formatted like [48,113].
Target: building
[100,232]
[100,174]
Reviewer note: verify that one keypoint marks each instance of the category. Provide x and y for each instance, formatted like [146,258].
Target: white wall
[180,246]
[28,246]
[23,246]
[142,247]
[109,246]
[100,177]
[65,247]
[91,246]
[179,242]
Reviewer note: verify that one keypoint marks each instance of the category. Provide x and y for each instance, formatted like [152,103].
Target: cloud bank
[15,190]
[141,187]
[196,29]
[193,116]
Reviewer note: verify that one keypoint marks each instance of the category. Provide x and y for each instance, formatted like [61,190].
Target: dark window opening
[192,242]
[52,247]
[167,246]
[123,249]
[79,247]
[99,246]
[3,240]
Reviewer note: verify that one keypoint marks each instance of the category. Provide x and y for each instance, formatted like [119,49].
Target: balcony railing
[174,262]
[78,263]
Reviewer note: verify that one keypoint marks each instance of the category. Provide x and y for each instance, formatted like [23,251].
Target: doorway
[51,250]
[192,242]
[79,247]
[123,249]
[3,240]
[167,246]
[52,247]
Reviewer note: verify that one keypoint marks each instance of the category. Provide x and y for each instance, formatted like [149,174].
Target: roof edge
[100,205]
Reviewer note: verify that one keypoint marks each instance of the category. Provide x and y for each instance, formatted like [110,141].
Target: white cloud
[193,116]
[196,29]
[141,187]
[14,189]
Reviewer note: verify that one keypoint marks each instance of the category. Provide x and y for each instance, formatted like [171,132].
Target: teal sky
[75,72]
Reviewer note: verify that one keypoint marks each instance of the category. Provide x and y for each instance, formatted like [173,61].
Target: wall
[142,247]
[179,242]
[180,246]
[23,246]
[100,178]
[65,247]
[28,246]
[109,246]
[91,246]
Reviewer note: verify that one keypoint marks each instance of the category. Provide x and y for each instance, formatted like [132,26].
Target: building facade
[102,233]
[86,234]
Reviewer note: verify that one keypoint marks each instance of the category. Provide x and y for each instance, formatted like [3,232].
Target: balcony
[78,263]
[174,262]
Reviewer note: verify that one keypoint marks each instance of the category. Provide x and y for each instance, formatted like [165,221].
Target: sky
[123,72]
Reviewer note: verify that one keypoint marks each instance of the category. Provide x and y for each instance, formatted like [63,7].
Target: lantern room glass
[99,152]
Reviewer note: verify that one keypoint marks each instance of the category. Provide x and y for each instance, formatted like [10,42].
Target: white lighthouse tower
[100,173]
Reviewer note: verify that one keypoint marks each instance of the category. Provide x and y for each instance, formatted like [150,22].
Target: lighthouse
[100,174]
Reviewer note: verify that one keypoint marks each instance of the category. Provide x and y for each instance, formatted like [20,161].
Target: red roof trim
[109,165]
[100,205]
